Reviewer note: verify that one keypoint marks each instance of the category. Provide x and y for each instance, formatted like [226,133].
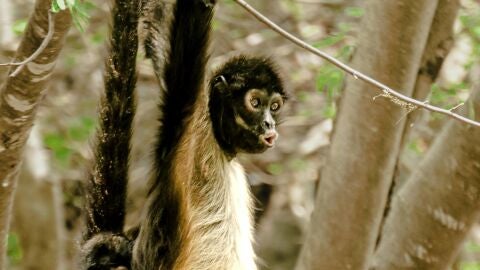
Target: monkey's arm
[107,183]
[163,232]
[184,71]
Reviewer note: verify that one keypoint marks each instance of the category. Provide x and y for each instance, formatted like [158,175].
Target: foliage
[470,266]
[14,251]
[62,144]
[330,78]
[79,10]
[19,26]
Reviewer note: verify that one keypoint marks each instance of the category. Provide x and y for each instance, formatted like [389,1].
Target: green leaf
[298,164]
[476,31]
[80,14]
[330,80]
[414,146]
[59,147]
[355,12]
[344,27]
[82,130]
[70,3]
[345,52]
[330,41]
[330,111]
[55,8]
[275,168]
[61,4]
[470,266]
[471,246]
[14,251]
[19,26]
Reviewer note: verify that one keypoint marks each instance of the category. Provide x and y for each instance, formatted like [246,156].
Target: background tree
[366,138]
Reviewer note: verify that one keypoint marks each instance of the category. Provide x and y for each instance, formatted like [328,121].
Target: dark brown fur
[104,245]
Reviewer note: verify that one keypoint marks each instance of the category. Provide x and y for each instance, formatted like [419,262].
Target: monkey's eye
[255,102]
[275,106]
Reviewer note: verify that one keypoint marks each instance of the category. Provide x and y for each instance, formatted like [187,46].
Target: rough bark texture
[440,41]
[354,185]
[434,211]
[18,102]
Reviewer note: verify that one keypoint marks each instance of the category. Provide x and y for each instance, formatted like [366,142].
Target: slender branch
[387,91]
[43,45]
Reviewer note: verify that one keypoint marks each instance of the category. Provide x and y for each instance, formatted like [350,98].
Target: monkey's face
[255,115]
[246,97]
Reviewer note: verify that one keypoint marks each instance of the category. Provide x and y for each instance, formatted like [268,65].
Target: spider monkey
[198,213]
[199,208]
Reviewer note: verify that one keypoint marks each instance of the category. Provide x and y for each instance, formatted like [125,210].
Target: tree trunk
[439,43]
[18,102]
[354,185]
[6,33]
[36,183]
[434,211]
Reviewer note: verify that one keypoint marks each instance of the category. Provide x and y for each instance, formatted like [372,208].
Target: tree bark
[19,98]
[434,211]
[439,43]
[355,183]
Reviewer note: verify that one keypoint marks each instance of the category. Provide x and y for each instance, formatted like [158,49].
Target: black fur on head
[246,95]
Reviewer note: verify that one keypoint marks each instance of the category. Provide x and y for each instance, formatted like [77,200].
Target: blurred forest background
[47,217]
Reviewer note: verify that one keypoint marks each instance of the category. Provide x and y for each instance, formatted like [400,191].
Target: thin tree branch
[43,45]
[388,92]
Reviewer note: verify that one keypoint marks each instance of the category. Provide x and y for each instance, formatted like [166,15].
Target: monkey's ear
[220,82]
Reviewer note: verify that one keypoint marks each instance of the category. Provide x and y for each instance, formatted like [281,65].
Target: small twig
[43,45]
[356,74]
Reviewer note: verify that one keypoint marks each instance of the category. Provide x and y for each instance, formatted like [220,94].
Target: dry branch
[43,45]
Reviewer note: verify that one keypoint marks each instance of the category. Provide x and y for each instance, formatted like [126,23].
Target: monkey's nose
[268,124]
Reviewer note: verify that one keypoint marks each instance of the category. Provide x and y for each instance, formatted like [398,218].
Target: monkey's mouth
[269,138]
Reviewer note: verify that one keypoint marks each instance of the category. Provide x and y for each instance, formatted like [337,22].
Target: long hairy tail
[107,183]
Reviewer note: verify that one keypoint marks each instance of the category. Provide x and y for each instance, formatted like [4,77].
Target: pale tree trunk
[6,33]
[439,43]
[355,182]
[435,209]
[18,102]
[39,198]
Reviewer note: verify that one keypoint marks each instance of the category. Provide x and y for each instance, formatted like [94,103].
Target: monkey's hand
[107,251]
